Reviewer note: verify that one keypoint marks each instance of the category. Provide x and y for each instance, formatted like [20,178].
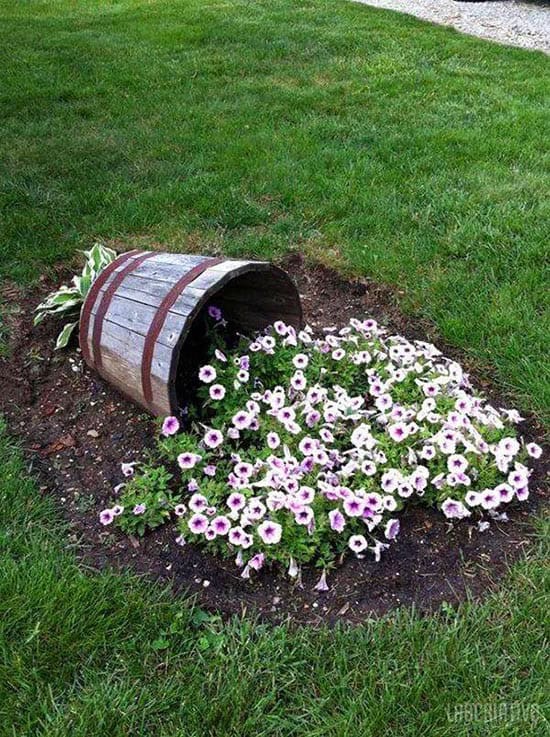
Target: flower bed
[304,449]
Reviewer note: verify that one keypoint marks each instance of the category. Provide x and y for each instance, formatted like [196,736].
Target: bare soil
[75,431]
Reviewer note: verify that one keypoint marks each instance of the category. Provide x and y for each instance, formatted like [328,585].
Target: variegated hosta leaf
[99,256]
[65,334]
[56,299]
[68,299]
[69,308]
[85,284]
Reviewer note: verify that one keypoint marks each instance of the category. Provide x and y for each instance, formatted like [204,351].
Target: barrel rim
[224,280]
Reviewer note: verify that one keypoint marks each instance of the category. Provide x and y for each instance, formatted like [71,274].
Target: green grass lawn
[382,145]
[79,657]
[401,150]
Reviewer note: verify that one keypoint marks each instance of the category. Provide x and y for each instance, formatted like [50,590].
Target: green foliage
[68,300]
[150,490]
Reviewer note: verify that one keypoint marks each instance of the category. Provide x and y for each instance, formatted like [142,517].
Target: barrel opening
[249,302]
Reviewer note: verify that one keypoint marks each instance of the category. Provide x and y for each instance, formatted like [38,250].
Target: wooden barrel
[140,310]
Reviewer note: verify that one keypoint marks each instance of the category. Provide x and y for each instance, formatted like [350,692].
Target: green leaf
[65,307]
[203,644]
[96,257]
[59,298]
[160,643]
[64,335]
[85,284]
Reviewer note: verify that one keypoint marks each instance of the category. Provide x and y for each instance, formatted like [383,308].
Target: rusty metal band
[158,322]
[89,302]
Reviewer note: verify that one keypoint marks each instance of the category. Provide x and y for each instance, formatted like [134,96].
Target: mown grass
[79,654]
[389,147]
[394,148]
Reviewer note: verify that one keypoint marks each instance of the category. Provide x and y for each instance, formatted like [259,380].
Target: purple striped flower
[170,426]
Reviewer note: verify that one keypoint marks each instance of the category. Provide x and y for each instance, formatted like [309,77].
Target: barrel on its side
[138,314]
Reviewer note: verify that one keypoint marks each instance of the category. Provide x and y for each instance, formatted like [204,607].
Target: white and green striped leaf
[64,336]
[68,299]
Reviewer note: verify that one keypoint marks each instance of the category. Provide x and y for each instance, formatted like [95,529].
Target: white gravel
[508,22]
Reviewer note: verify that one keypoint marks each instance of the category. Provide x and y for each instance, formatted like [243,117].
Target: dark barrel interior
[249,302]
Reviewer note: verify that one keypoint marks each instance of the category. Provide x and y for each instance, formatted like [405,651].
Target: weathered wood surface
[122,324]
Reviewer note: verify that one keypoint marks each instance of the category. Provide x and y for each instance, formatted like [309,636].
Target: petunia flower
[519,477]
[378,549]
[187,460]
[391,529]
[127,469]
[300,361]
[255,510]
[321,584]
[428,453]
[207,374]
[217,392]
[353,506]
[236,501]
[215,313]
[293,568]
[236,535]
[198,503]
[398,431]
[198,524]
[241,420]
[257,561]
[357,543]
[221,525]
[522,494]
[505,492]
[213,438]
[508,446]
[304,516]
[454,509]
[390,480]
[106,516]
[273,440]
[170,426]
[270,532]
[473,498]
[337,520]
[457,463]
[534,450]
[298,381]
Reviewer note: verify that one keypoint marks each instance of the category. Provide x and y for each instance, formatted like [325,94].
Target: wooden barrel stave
[121,352]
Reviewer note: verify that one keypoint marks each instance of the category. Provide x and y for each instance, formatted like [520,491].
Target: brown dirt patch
[76,430]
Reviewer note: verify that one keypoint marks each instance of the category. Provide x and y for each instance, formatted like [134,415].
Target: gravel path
[508,22]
